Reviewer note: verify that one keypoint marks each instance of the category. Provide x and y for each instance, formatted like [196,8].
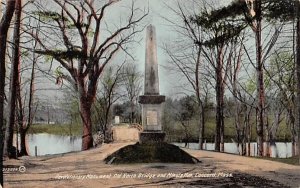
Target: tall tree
[241,105]
[256,25]
[272,10]
[25,118]
[85,48]
[287,11]
[218,46]
[186,58]
[252,12]
[254,18]
[14,79]
[297,68]
[4,26]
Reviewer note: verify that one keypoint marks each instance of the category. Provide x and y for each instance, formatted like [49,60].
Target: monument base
[151,137]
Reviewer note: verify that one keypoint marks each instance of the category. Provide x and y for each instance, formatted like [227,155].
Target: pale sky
[157,11]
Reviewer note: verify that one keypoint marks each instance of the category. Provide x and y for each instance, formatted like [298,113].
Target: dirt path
[87,169]
[284,173]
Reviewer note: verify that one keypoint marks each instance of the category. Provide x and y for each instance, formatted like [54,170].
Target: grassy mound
[150,153]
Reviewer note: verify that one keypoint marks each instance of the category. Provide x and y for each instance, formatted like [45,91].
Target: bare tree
[14,78]
[83,47]
[218,47]
[131,80]
[26,110]
[240,105]
[185,57]
[4,26]
[108,94]
[256,13]
[297,69]
[252,13]
[281,86]
[184,114]
[252,10]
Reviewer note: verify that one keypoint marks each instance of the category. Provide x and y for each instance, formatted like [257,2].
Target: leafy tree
[168,120]
[184,113]
[297,69]
[219,38]
[281,73]
[251,13]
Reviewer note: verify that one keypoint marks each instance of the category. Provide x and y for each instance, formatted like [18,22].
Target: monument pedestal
[151,119]
[152,137]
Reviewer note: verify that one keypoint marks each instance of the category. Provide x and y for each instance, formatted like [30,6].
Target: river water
[52,144]
[281,149]
[55,144]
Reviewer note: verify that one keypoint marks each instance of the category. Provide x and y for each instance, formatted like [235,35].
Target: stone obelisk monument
[151,100]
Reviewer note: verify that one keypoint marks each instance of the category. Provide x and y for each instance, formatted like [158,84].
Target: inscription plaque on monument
[152,117]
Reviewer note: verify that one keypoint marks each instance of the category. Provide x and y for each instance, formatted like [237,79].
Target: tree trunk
[87,137]
[218,121]
[201,119]
[219,139]
[297,68]
[201,127]
[244,145]
[240,129]
[23,124]
[291,123]
[131,111]
[260,81]
[198,96]
[267,138]
[23,129]
[14,76]
[248,150]
[222,127]
[4,26]
[186,134]
[237,121]
[248,127]
[23,148]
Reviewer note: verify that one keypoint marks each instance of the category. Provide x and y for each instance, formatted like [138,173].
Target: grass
[56,129]
[291,160]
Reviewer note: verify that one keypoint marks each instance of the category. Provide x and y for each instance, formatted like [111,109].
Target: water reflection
[281,149]
[53,144]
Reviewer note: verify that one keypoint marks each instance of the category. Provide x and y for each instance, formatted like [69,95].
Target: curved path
[87,169]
